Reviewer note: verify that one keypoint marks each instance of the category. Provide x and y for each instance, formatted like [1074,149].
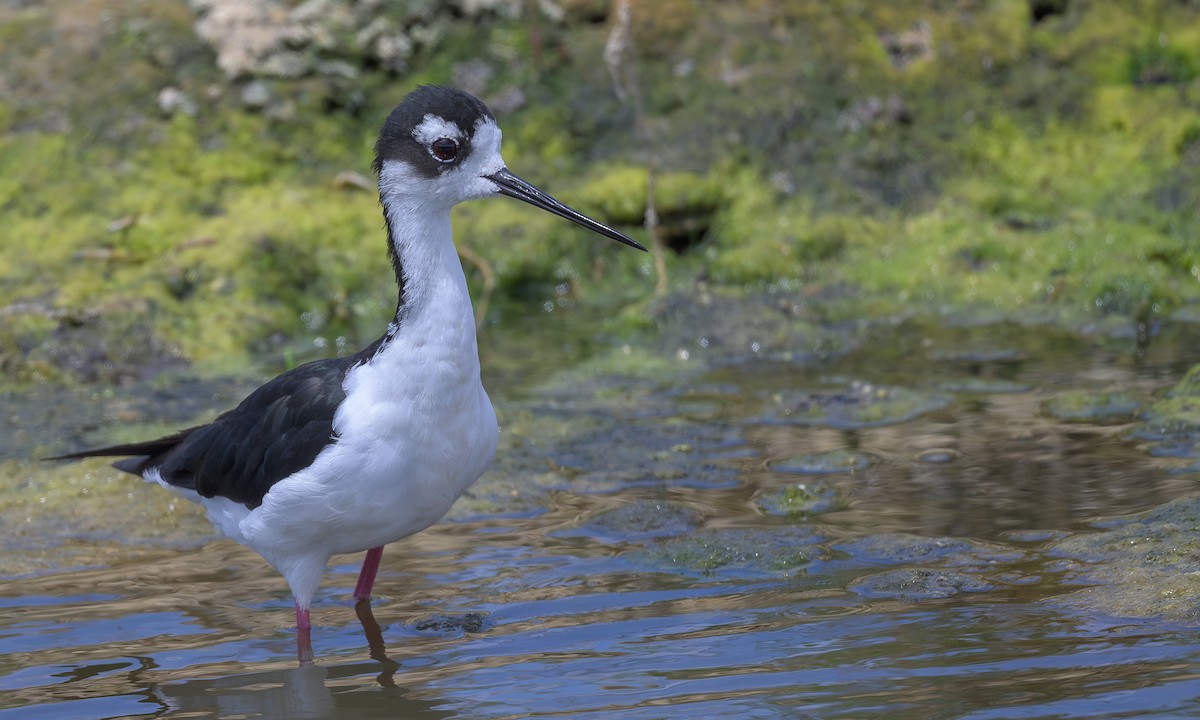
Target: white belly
[395,470]
[415,430]
[372,491]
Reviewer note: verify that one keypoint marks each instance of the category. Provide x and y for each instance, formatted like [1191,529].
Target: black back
[279,429]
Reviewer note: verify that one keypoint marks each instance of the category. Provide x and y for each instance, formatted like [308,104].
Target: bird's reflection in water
[375,646]
[303,691]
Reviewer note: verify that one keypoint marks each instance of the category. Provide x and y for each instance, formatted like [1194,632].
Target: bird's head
[441,146]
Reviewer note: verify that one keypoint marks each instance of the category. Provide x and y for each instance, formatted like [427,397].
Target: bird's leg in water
[304,651]
[366,577]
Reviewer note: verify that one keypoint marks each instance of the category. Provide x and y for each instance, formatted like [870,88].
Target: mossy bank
[163,203]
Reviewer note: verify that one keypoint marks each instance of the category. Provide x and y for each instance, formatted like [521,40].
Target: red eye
[444,149]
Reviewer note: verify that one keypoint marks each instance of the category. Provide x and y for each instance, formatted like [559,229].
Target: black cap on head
[396,141]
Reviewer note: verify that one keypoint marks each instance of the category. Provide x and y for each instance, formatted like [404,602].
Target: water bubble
[312,319]
[935,456]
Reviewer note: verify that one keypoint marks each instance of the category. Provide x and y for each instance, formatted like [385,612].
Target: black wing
[277,430]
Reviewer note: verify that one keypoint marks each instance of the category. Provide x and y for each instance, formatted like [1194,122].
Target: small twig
[620,45]
[534,28]
[618,42]
[651,223]
[489,282]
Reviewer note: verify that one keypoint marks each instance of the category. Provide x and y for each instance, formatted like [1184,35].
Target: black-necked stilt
[349,454]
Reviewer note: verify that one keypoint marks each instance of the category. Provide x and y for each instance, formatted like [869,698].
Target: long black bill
[513,186]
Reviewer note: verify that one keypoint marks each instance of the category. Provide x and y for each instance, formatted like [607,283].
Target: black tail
[139,453]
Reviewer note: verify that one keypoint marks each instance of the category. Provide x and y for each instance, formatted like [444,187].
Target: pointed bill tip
[515,187]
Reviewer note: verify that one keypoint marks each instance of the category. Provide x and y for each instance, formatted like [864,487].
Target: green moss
[93,514]
[1092,407]
[734,552]
[1178,412]
[1157,63]
[610,373]
[859,405]
[760,236]
[1189,386]
[1135,563]
[1126,294]
[886,158]
[801,501]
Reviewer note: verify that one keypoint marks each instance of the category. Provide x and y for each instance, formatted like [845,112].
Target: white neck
[424,248]
[434,315]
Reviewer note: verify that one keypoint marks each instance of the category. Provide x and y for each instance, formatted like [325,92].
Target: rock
[508,100]
[247,34]
[1172,423]
[904,548]
[639,521]
[327,38]
[914,584]
[735,552]
[256,95]
[1097,408]
[393,51]
[908,46]
[472,76]
[1137,566]
[859,405]
[802,500]
[172,100]
[506,8]
[454,625]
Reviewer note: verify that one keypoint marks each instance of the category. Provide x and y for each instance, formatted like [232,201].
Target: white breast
[415,430]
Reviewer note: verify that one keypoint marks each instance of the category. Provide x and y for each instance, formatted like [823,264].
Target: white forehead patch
[486,150]
[433,127]
[400,183]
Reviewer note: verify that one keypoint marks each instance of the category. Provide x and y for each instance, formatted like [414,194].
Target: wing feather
[277,430]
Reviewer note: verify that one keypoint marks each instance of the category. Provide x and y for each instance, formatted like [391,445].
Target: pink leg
[304,651]
[366,576]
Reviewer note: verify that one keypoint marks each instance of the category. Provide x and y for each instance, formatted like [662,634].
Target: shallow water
[644,549]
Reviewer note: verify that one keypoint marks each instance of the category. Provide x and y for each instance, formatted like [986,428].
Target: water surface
[882,533]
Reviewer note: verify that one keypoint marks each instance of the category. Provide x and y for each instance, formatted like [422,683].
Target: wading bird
[349,454]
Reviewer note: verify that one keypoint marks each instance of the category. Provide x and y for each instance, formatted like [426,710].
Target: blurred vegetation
[1032,158]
